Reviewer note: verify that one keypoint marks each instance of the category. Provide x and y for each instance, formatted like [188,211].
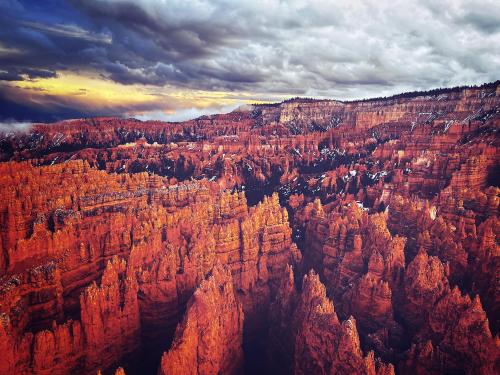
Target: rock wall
[168,238]
[418,302]
[307,328]
[210,338]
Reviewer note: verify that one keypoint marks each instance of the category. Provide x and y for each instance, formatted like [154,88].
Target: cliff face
[308,329]
[109,226]
[170,236]
[364,270]
[109,328]
[210,338]
[110,315]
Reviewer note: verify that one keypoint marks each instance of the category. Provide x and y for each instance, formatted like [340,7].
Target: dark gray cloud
[36,105]
[344,49]
[483,20]
[20,106]
[16,74]
[307,47]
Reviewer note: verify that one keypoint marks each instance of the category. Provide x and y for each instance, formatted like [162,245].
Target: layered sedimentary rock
[109,328]
[170,237]
[419,303]
[451,325]
[393,202]
[309,332]
[110,315]
[210,338]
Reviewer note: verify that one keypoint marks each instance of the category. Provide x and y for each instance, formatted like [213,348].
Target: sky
[179,59]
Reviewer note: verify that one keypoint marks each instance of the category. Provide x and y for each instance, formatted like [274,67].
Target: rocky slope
[113,232]
[62,236]
[210,338]
[305,325]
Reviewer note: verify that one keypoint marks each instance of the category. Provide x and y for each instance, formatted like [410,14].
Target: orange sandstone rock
[209,340]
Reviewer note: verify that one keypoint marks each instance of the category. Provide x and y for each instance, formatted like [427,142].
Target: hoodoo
[302,237]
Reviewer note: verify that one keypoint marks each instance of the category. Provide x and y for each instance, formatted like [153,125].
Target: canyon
[302,237]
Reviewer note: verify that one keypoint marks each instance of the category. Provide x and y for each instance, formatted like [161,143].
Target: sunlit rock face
[122,260]
[303,237]
[210,338]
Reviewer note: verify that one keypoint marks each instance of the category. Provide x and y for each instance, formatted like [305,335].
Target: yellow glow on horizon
[93,90]
[88,88]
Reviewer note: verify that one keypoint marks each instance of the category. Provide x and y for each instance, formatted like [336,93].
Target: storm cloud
[340,49]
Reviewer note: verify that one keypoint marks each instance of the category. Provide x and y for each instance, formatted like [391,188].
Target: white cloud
[187,113]
[15,127]
[346,49]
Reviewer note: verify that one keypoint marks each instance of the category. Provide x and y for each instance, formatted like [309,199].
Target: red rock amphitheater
[304,237]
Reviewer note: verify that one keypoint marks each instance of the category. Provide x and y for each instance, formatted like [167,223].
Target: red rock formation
[456,326]
[119,371]
[313,333]
[210,338]
[109,328]
[364,268]
[360,261]
[110,315]
[169,246]
[425,282]
[394,202]
[58,350]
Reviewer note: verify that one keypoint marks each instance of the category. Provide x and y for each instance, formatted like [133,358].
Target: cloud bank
[266,48]
[15,127]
